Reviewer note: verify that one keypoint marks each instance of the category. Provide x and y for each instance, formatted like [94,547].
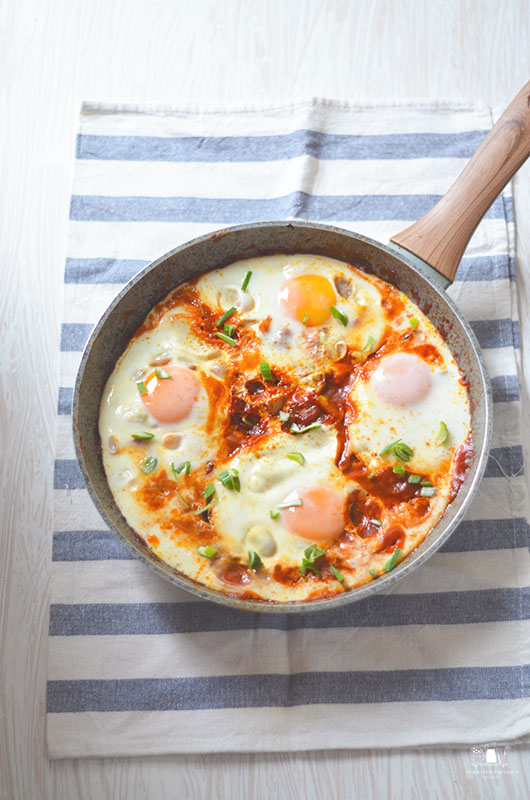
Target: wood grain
[53,55]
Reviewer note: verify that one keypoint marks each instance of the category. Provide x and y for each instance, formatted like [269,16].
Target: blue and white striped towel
[137,666]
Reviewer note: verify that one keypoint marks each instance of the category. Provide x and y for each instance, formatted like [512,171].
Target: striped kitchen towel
[137,666]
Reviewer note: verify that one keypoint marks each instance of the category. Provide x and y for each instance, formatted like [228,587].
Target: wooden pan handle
[441,236]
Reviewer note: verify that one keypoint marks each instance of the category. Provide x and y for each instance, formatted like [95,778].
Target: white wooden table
[53,55]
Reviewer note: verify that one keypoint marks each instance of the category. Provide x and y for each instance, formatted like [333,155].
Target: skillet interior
[127,311]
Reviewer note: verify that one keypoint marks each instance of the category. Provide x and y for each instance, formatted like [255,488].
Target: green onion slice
[339,576]
[401,450]
[426,483]
[161,374]
[369,344]
[297,457]
[207,507]
[371,475]
[227,339]
[149,464]
[376,522]
[184,502]
[229,330]
[274,514]
[283,416]
[373,572]
[295,428]
[224,317]
[143,437]
[305,319]
[311,554]
[399,470]
[207,550]
[230,479]
[291,503]
[209,491]
[413,323]
[414,478]
[141,387]
[266,371]
[247,422]
[428,491]
[443,433]
[392,561]
[246,280]
[339,315]
[184,467]
[254,560]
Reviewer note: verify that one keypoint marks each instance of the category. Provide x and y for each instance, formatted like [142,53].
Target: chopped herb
[209,491]
[254,560]
[297,457]
[227,339]
[401,450]
[339,315]
[224,317]
[392,561]
[399,470]
[295,428]
[296,502]
[229,330]
[369,344]
[149,464]
[266,371]
[443,434]
[413,323]
[305,319]
[283,416]
[161,374]
[426,483]
[274,514]
[142,437]
[230,479]
[339,576]
[246,280]
[428,491]
[376,522]
[184,467]
[386,450]
[184,503]
[207,550]
[247,421]
[141,387]
[207,507]
[311,554]
[371,475]
[373,572]
[414,478]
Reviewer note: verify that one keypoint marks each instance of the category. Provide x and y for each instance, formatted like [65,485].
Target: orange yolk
[307,298]
[402,380]
[319,518]
[171,399]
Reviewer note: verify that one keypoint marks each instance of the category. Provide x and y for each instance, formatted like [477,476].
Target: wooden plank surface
[54,54]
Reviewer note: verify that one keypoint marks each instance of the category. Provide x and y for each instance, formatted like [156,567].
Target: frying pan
[421,261]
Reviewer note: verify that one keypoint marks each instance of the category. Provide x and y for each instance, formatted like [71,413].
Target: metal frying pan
[421,261]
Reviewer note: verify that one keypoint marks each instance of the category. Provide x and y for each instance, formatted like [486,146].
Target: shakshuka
[285,428]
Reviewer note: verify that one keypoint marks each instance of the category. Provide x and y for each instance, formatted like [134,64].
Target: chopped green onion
[413,323]
[295,428]
[247,421]
[426,483]
[149,464]
[224,317]
[209,491]
[254,560]
[207,550]
[414,478]
[339,576]
[227,339]
[369,344]
[392,561]
[443,434]
[274,514]
[211,504]
[399,470]
[376,522]
[141,387]
[297,457]
[371,475]
[184,467]
[142,437]
[265,370]
[230,479]
[283,416]
[229,330]
[401,450]
[428,491]
[184,503]
[339,315]
[246,280]
[305,319]
[291,503]
[386,450]
[373,572]
[308,562]
[161,374]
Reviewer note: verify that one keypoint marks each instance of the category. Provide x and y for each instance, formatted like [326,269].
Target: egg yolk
[171,399]
[319,518]
[307,298]
[402,380]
